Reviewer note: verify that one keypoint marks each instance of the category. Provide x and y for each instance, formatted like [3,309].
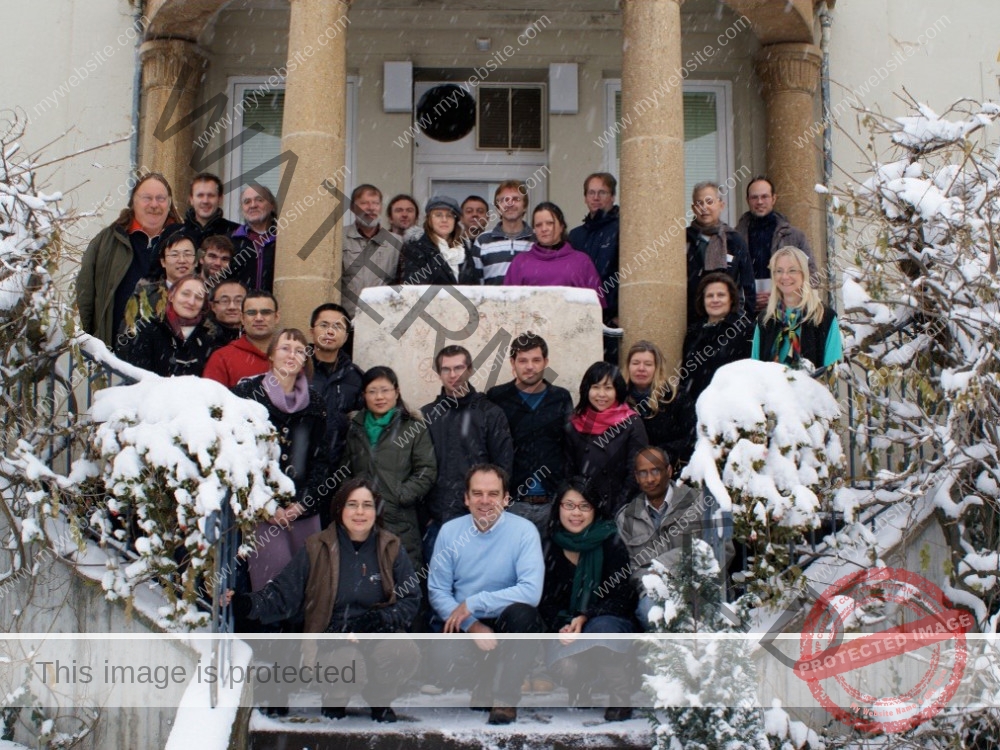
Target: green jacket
[149,302]
[403,467]
[105,263]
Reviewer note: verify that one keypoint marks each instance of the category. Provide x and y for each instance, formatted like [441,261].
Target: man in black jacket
[598,238]
[537,413]
[466,430]
[204,215]
[337,379]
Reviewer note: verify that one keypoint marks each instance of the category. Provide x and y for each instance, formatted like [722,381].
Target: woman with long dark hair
[389,444]
[587,591]
[719,335]
[603,437]
[353,577]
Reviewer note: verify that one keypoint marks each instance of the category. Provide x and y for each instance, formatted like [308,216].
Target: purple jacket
[563,266]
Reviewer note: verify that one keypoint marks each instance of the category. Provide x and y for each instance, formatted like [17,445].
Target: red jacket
[235,361]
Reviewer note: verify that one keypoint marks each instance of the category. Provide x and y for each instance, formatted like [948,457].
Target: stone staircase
[450,727]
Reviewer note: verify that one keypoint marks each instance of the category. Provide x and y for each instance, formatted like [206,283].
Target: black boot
[334,712]
[385,714]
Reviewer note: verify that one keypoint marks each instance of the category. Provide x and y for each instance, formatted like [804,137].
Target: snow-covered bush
[168,452]
[921,298]
[922,315]
[768,450]
[704,689]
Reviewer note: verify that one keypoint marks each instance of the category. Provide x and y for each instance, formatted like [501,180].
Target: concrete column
[653,301]
[163,63]
[789,73]
[314,132]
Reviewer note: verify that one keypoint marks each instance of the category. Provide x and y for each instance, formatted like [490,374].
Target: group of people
[499,512]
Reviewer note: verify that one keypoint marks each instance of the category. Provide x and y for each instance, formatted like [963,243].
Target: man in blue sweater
[486,577]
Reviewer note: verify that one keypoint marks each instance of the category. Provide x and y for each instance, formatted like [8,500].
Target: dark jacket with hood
[155,347]
[302,439]
[421,262]
[538,435]
[403,468]
[672,425]
[218,224]
[465,431]
[598,238]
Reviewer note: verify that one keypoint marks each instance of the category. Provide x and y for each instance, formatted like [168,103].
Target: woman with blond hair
[667,413]
[796,329]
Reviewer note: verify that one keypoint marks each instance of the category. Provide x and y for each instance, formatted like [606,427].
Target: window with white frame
[254,103]
[708,136]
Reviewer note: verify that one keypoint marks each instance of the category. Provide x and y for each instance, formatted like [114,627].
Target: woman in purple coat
[552,261]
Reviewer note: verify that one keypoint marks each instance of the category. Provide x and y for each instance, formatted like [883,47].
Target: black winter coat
[598,238]
[619,595]
[740,269]
[607,461]
[709,347]
[466,431]
[243,266]
[672,426]
[302,438]
[340,386]
[420,262]
[539,436]
[218,224]
[155,347]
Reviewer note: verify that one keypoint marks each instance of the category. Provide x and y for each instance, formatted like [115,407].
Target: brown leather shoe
[501,713]
[620,713]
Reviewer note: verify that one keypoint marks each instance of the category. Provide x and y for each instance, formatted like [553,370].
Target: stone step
[537,728]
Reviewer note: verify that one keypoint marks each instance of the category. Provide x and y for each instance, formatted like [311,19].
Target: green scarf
[787,346]
[375,426]
[590,544]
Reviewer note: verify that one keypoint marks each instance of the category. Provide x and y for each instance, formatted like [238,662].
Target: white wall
[70,71]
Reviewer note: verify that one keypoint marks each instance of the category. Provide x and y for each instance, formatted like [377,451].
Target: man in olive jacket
[654,524]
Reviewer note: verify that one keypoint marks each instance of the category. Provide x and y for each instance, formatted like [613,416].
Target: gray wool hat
[443,201]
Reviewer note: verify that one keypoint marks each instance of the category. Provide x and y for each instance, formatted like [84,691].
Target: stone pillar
[314,131]
[163,68]
[789,73]
[653,300]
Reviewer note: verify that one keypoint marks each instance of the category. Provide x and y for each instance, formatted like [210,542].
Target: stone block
[409,324]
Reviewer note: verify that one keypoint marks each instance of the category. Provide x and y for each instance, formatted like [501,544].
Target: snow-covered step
[536,728]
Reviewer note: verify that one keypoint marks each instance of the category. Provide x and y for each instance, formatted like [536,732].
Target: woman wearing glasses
[350,578]
[180,342]
[587,591]
[391,446]
[298,415]
[796,329]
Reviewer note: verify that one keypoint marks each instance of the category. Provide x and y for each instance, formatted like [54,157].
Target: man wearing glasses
[598,238]
[247,356]
[253,262]
[227,309]
[336,378]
